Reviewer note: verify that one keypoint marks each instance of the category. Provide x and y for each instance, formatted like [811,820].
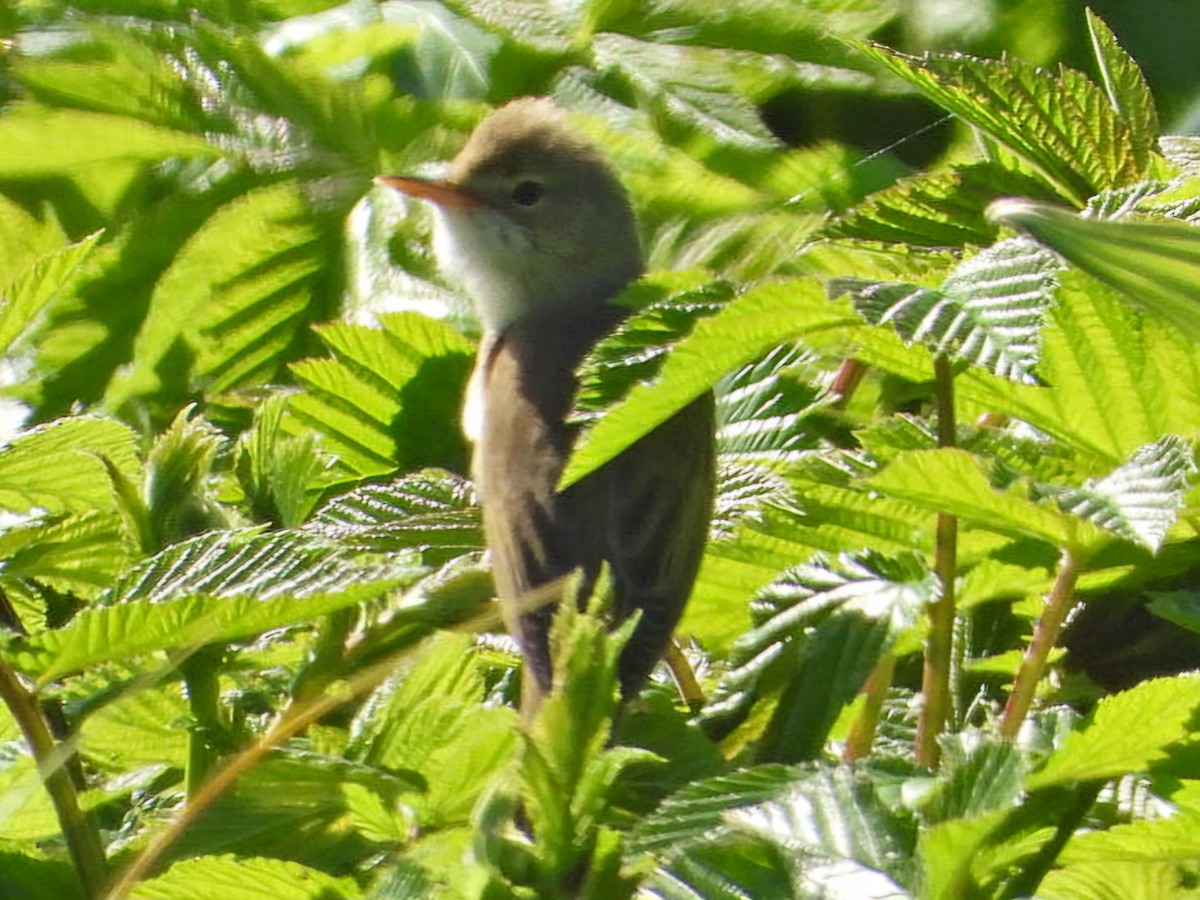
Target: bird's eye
[527,193]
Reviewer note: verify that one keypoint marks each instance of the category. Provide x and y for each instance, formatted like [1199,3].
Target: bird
[532,221]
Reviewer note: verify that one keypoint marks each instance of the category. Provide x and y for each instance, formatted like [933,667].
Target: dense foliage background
[247,647]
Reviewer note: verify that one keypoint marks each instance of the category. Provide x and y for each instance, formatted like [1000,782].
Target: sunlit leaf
[435,513]
[1119,738]
[1155,264]
[819,630]
[936,209]
[1125,83]
[39,143]
[1064,125]
[213,588]
[1141,499]
[60,466]
[837,822]
[953,481]
[243,878]
[1115,380]
[989,311]
[391,395]
[750,325]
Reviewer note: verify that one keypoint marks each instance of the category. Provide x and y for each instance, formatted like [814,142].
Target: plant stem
[846,381]
[1045,636]
[83,841]
[330,656]
[939,645]
[201,674]
[874,689]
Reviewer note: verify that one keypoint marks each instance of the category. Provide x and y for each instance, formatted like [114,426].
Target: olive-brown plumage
[535,225]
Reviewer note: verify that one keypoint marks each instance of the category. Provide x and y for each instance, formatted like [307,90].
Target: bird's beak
[444,193]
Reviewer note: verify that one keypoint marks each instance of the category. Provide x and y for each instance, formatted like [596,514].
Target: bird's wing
[536,535]
[659,504]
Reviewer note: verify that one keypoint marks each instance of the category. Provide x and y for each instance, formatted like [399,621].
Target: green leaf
[429,720]
[697,811]
[1180,607]
[807,31]
[234,296]
[565,767]
[548,29]
[953,481]
[976,857]
[25,876]
[1141,500]
[1119,737]
[451,57]
[986,778]
[59,466]
[1062,125]
[937,209]
[667,306]
[40,143]
[571,727]
[819,630]
[761,410]
[177,468]
[1115,380]
[138,729]
[989,311]
[130,74]
[39,284]
[1153,263]
[283,475]
[1175,839]
[738,867]
[836,821]
[81,554]
[434,512]
[390,397]
[1182,151]
[690,84]
[243,878]
[26,813]
[1126,85]
[214,588]
[296,798]
[1120,879]
[762,318]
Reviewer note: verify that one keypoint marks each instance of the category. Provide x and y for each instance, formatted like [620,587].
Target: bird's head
[531,219]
